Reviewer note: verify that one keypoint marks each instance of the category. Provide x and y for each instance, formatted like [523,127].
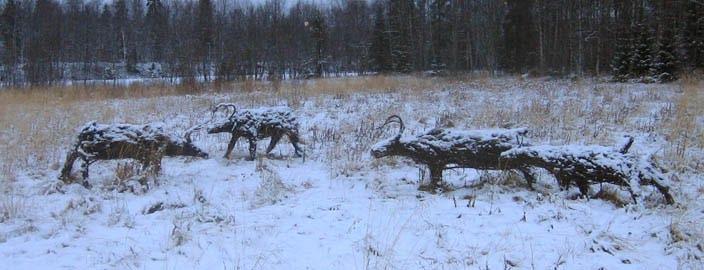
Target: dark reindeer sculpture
[147,144]
[257,124]
[441,148]
[584,165]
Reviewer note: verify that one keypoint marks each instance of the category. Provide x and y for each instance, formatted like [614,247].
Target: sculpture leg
[436,175]
[583,187]
[84,169]
[274,140]
[528,176]
[231,145]
[435,178]
[664,190]
[252,148]
[84,173]
[71,158]
[293,137]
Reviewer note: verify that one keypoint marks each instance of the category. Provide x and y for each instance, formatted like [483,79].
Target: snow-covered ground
[338,208]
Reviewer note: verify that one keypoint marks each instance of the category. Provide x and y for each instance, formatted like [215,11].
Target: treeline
[44,41]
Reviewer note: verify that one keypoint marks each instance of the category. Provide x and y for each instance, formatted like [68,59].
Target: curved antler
[190,131]
[226,105]
[395,119]
[626,145]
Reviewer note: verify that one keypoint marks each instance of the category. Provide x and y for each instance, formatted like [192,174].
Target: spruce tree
[318,30]
[44,44]
[621,63]
[205,34]
[106,33]
[10,36]
[520,37]
[698,43]
[642,58]
[136,44]
[441,28]
[692,43]
[665,65]
[157,24]
[379,50]
[400,16]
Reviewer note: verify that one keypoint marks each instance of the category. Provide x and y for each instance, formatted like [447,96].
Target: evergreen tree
[441,28]
[44,43]
[77,38]
[520,37]
[10,32]
[379,51]
[642,58]
[136,43]
[692,43]
[107,35]
[205,34]
[318,30]
[157,23]
[666,64]
[400,19]
[621,63]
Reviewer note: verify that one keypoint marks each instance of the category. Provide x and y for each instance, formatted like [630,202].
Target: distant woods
[45,41]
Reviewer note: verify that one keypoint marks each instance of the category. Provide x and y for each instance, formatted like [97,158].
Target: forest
[48,41]
[352,134]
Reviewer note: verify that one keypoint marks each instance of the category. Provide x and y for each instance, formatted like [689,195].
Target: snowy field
[339,208]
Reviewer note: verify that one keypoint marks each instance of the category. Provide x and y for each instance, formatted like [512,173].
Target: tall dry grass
[37,125]
[685,130]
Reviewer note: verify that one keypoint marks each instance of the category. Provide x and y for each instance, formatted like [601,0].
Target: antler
[190,131]
[226,105]
[395,119]
[627,145]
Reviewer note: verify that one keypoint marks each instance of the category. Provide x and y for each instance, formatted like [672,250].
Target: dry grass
[272,189]
[684,132]
[612,196]
[124,172]
[38,124]
[12,206]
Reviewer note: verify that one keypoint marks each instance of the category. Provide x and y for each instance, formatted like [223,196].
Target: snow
[251,121]
[339,208]
[594,157]
[95,133]
[599,155]
[447,139]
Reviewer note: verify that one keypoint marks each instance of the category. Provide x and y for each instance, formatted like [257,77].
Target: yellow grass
[684,132]
[38,125]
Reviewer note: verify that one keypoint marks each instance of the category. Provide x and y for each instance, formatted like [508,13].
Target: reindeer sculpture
[440,148]
[257,124]
[144,143]
[583,165]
